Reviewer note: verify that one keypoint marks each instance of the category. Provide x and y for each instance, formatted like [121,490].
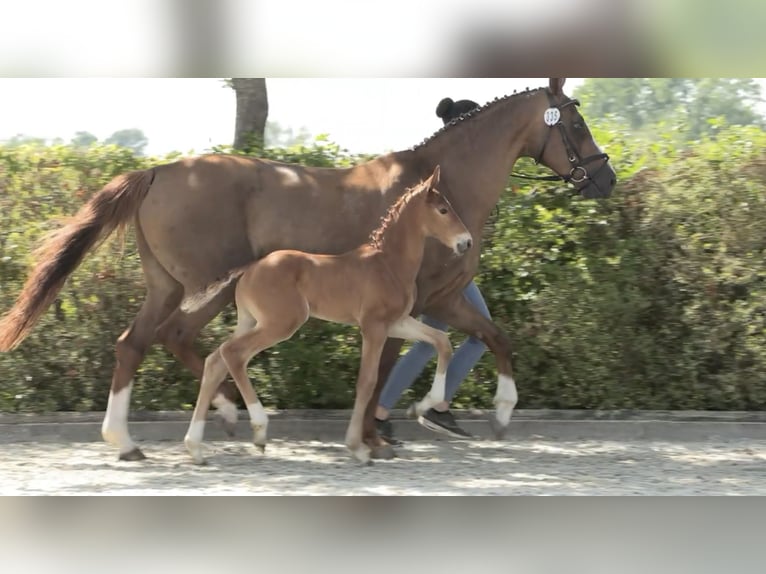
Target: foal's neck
[403,244]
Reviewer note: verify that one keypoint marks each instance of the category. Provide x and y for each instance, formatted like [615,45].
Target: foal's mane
[377,237]
[475,112]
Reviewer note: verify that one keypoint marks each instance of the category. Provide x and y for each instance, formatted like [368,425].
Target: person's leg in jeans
[409,367]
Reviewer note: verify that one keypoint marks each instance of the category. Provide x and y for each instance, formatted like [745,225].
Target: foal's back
[337,288]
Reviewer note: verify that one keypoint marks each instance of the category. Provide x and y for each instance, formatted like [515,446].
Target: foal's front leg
[373,339]
[463,316]
[412,329]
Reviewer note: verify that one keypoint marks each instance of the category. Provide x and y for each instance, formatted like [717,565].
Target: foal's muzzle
[463,243]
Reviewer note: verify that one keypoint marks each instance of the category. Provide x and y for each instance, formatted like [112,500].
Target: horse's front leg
[464,317]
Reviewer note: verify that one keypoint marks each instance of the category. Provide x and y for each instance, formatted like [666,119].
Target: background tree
[83,139]
[132,138]
[688,104]
[23,139]
[252,111]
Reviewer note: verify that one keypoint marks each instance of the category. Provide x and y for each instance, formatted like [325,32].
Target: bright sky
[362,115]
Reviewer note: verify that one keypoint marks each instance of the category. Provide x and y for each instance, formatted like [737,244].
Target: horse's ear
[556,85]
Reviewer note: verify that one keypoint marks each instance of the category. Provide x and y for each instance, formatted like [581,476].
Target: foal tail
[196,301]
[64,249]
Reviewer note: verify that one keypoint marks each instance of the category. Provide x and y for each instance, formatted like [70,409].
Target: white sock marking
[193,440]
[196,432]
[438,388]
[226,408]
[258,415]
[506,398]
[114,429]
[259,420]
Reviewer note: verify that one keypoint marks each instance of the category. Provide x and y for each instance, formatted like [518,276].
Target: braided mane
[473,113]
[377,237]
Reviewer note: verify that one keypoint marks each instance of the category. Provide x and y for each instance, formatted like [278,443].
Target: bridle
[578,172]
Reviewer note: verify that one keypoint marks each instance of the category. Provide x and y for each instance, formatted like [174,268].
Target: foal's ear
[434,179]
[556,85]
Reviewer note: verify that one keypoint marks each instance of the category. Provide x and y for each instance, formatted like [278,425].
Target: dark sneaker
[386,432]
[443,423]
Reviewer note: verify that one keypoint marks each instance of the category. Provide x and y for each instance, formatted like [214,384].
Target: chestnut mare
[198,218]
[372,287]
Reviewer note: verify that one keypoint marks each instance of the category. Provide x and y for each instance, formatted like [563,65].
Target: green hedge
[654,299]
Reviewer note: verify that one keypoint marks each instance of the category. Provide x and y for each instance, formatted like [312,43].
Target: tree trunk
[252,111]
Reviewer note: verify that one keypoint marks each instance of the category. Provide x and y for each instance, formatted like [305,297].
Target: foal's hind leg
[213,373]
[238,351]
[178,334]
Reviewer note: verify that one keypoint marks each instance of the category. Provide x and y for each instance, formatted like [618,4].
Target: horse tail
[63,250]
[196,301]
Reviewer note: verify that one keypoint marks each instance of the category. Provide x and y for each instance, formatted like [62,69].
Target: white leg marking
[359,450]
[193,440]
[114,429]
[226,409]
[439,387]
[506,398]
[259,420]
[434,396]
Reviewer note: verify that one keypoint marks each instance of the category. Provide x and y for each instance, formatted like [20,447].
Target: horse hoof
[133,455]
[368,463]
[261,448]
[498,429]
[383,452]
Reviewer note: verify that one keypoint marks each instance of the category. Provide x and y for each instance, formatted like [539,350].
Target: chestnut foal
[372,286]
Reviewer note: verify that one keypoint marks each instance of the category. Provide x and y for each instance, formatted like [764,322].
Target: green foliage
[687,105]
[655,298]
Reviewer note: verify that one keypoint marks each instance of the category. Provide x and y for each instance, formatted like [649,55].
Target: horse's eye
[577,125]
[443,210]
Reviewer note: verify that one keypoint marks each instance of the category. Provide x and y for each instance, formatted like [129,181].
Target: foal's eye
[443,210]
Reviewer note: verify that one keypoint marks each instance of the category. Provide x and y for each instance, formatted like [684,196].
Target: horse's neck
[403,245]
[474,160]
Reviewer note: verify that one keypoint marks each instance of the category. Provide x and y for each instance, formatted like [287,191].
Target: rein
[552,119]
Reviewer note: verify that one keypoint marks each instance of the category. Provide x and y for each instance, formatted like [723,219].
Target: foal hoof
[498,429]
[230,428]
[383,452]
[133,455]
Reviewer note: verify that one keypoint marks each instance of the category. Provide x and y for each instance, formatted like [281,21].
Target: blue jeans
[409,366]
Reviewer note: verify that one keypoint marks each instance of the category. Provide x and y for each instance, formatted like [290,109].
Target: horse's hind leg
[178,333]
[163,295]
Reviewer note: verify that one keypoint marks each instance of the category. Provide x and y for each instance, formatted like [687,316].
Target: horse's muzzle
[600,184]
